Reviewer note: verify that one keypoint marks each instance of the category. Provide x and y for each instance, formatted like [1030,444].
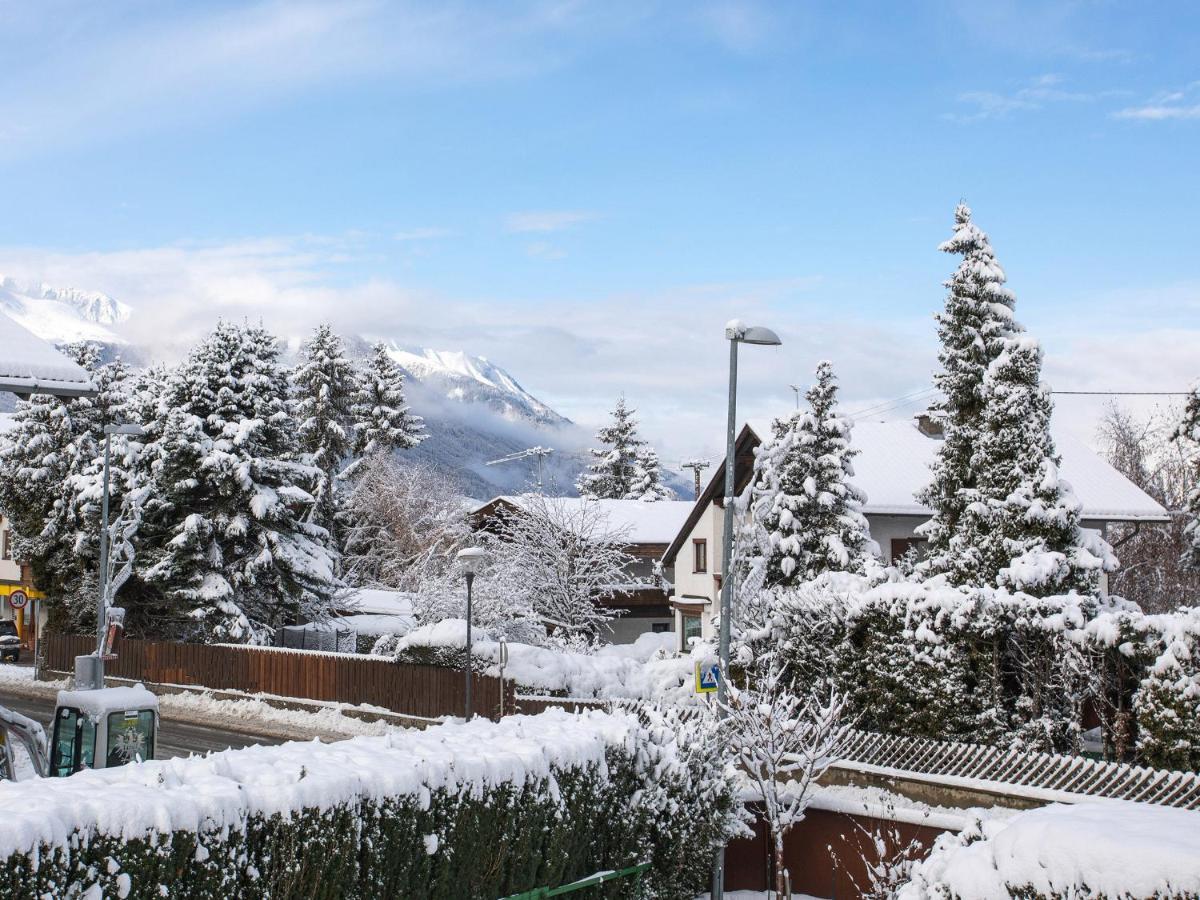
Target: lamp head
[736,330]
[471,558]
[129,429]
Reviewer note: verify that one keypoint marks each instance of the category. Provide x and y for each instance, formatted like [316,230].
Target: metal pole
[718,886]
[102,603]
[470,579]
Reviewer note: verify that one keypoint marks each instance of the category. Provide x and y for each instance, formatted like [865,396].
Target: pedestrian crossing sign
[708,676]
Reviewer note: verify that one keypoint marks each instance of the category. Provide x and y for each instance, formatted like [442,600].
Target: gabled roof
[642,522]
[893,465]
[30,365]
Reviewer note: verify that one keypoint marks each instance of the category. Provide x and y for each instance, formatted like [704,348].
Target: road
[175,738]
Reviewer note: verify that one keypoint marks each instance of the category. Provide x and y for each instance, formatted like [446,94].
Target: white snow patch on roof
[115,699]
[27,360]
[641,522]
[377,601]
[894,460]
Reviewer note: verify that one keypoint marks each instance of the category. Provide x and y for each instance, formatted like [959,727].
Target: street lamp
[470,558]
[94,671]
[736,333]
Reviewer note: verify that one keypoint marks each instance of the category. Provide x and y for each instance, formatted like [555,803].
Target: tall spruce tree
[648,485]
[801,494]
[976,319]
[325,387]
[1001,516]
[1027,529]
[49,469]
[617,471]
[225,531]
[382,419]
[1188,436]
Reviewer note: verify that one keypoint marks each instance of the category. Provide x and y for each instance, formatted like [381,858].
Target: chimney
[928,425]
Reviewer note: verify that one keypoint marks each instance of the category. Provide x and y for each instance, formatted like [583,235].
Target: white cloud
[1173,104]
[112,72]
[1037,93]
[545,220]
[422,234]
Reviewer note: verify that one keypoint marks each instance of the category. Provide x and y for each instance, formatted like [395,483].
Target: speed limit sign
[18,599]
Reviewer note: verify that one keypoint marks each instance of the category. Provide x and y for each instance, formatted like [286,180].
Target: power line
[1125,393]
[889,404]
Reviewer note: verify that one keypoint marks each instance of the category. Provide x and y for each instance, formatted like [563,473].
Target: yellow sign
[708,677]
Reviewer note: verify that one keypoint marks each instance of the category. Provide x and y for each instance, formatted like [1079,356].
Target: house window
[901,546]
[6,544]
[699,555]
[660,627]
[692,628]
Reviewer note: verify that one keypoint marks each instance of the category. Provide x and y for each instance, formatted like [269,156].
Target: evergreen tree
[49,484]
[1001,514]
[325,388]
[801,493]
[382,420]
[226,532]
[648,485]
[976,319]
[1026,532]
[1188,436]
[618,472]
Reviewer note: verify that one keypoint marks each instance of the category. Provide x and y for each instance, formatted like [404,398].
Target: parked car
[10,641]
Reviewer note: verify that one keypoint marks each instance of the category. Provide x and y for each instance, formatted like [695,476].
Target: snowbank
[1109,848]
[644,670]
[221,790]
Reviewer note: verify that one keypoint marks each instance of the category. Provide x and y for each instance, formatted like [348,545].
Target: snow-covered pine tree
[46,462]
[325,387]
[225,531]
[648,485]
[1188,436]
[976,319]
[615,474]
[802,496]
[382,420]
[1026,530]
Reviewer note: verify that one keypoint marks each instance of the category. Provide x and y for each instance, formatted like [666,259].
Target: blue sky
[585,192]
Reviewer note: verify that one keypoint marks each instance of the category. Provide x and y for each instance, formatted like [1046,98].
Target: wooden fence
[426,691]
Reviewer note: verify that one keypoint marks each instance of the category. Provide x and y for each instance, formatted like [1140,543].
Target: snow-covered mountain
[63,315]
[475,380]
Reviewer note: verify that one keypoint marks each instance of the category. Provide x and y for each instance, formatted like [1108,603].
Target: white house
[647,529]
[891,467]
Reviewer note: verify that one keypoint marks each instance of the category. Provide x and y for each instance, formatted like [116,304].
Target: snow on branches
[802,496]
[1188,436]
[782,745]
[382,419]
[1002,516]
[626,468]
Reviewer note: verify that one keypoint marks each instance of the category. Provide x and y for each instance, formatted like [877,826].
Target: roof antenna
[698,465]
[540,453]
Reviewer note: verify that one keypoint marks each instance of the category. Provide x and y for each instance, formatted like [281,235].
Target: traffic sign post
[708,677]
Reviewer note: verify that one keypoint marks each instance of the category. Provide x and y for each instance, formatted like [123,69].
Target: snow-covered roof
[640,521]
[30,365]
[894,460]
[373,601]
[114,699]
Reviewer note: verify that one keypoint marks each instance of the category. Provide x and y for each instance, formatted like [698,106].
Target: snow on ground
[250,712]
[644,670]
[218,791]
[1116,848]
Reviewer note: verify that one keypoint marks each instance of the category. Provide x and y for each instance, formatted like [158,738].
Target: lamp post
[470,558]
[91,672]
[736,333]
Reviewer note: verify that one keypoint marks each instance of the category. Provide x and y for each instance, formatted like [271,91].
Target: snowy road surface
[175,738]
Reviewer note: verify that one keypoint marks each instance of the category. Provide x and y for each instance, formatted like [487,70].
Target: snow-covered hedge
[647,669]
[1107,849]
[996,666]
[469,810]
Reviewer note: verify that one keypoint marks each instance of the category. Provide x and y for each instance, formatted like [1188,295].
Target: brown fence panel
[426,691]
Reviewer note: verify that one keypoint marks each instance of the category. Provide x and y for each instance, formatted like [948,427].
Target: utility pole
[697,466]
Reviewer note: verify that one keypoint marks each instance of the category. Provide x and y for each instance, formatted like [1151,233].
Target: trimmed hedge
[473,838]
[991,666]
